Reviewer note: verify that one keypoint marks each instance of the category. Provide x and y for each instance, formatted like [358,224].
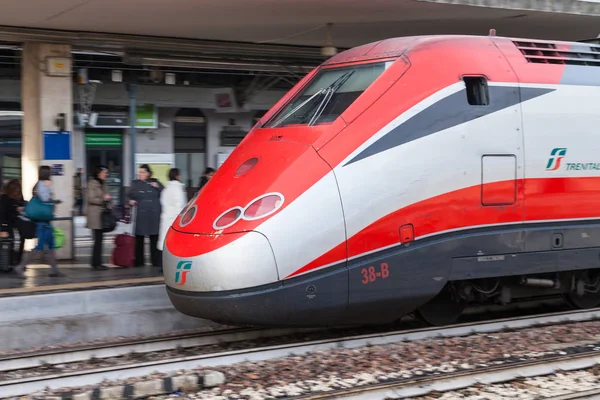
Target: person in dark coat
[145,194]
[11,204]
[208,174]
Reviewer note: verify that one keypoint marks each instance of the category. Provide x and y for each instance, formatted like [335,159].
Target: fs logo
[556,155]
[183,267]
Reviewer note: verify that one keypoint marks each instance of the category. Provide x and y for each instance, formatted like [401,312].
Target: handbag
[59,237]
[37,210]
[109,220]
[26,227]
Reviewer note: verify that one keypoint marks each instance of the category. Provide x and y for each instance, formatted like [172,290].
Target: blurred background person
[172,200]
[208,174]
[98,199]
[44,230]
[78,191]
[11,205]
[145,196]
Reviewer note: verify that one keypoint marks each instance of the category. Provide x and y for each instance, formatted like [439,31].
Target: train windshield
[328,95]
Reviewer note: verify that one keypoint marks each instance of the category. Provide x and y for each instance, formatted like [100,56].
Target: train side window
[477,90]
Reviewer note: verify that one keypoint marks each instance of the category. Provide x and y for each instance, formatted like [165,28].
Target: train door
[494,139]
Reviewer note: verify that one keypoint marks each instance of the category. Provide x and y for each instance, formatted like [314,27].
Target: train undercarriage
[580,289]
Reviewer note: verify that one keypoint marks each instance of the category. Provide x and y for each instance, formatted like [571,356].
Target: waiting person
[11,205]
[208,174]
[145,195]
[44,229]
[78,191]
[98,199]
[172,201]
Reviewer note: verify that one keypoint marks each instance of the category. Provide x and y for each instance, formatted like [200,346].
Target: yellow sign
[58,66]
[160,172]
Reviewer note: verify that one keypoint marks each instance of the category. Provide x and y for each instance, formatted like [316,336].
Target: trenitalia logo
[556,155]
[183,267]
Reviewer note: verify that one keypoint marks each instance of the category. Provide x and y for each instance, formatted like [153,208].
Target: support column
[47,92]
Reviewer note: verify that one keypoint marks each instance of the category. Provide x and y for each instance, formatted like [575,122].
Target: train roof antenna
[492,32]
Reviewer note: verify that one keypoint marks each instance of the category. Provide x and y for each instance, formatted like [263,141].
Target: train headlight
[258,208]
[263,206]
[188,216]
[228,218]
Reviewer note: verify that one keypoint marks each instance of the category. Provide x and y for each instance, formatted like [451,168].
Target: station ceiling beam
[122,44]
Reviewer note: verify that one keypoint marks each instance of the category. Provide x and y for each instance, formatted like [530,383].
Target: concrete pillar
[47,91]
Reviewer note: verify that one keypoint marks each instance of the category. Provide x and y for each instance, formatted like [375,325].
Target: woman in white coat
[172,201]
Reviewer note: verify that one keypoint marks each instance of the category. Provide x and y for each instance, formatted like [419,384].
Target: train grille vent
[547,53]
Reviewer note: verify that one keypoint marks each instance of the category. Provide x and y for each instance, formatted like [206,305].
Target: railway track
[455,381]
[48,357]
[146,345]
[93,376]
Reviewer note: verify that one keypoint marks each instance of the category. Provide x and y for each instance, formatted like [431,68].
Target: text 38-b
[372,274]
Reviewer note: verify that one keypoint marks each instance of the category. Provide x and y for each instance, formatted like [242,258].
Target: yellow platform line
[82,285]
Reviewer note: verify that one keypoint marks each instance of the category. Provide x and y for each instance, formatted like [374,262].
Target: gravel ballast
[116,340]
[322,371]
[539,387]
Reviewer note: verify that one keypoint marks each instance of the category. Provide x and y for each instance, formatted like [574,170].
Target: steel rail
[452,381]
[80,378]
[577,395]
[191,338]
[34,359]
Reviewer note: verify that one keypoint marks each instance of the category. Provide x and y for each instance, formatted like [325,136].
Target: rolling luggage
[5,254]
[123,254]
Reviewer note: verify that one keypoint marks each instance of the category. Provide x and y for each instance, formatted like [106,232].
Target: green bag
[59,237]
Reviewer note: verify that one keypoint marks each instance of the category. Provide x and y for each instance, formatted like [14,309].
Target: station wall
[168,99]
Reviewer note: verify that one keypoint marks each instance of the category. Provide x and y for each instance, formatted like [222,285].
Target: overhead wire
[315,28]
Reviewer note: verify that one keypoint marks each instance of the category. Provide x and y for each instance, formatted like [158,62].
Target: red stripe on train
[546,199]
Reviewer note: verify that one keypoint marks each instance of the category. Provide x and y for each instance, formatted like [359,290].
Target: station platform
[87,306]
[78,276]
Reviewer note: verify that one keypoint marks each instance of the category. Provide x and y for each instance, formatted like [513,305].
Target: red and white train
[415,174]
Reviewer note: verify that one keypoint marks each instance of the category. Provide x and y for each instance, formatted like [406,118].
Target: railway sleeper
[580,289]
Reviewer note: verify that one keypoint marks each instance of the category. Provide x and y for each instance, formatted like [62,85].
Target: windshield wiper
[292,112]
[330,90]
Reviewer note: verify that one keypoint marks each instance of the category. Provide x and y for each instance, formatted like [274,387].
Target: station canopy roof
[274,36]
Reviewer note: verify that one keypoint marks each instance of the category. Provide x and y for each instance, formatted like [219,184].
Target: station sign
[58,169]
[58,66]
[103,139]
[57,145]
[146,118]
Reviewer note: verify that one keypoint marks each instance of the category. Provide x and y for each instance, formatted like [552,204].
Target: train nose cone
[212,263]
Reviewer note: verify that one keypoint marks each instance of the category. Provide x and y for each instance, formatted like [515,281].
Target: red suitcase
[123,254]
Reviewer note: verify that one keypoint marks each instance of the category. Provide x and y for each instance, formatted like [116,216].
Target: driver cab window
[328,95]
